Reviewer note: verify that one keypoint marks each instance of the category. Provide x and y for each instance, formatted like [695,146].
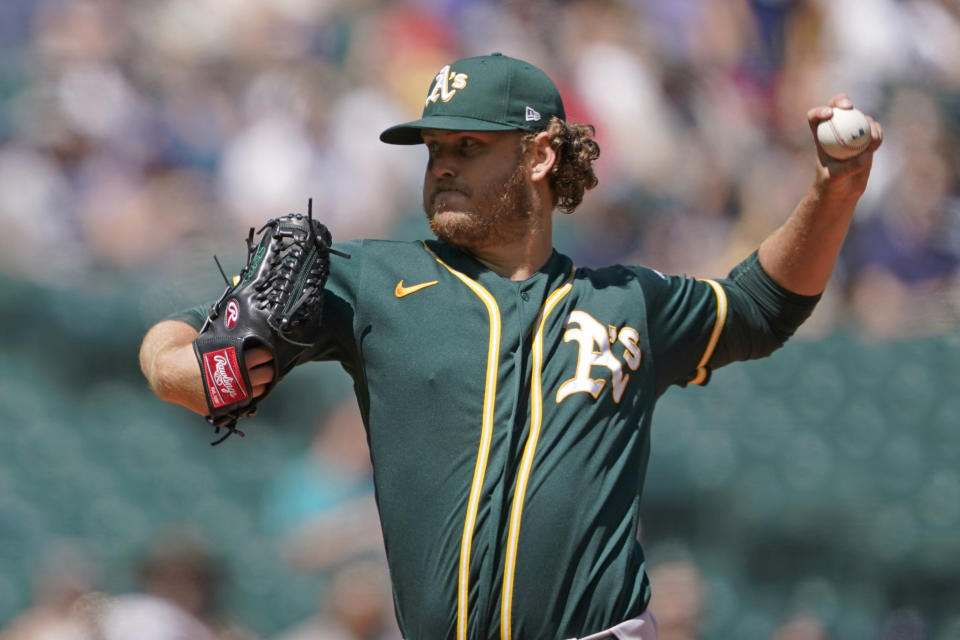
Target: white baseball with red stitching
[844,135]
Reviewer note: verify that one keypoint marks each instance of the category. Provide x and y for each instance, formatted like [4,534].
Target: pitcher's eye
[469,144]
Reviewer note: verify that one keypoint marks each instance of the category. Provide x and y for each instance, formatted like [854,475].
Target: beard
[502,212]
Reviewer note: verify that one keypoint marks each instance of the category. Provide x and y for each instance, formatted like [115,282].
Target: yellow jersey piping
[523,475]
[715,335]
[489,399]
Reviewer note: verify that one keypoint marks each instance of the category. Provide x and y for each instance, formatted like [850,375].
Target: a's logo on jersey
[402,291]
[445,85]
[595,340]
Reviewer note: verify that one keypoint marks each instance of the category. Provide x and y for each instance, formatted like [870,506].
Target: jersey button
[524,296]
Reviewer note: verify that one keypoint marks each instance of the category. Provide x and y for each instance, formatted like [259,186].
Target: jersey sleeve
[698,325]
[685,319]
[194,316]
[761,314]
[340,300]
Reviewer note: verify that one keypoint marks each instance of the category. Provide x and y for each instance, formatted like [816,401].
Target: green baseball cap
[484,93]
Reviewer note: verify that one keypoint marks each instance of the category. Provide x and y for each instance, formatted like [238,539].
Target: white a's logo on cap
[446,84]
[532,114]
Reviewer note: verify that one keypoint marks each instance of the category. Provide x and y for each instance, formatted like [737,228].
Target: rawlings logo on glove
[221,368]
[275,303]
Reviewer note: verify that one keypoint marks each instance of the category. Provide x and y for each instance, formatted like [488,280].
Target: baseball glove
[275,303]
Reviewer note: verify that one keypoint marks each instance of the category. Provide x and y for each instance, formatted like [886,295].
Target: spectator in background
[678,601]
[144,617]
[356,606]
[322,509]
[904,255]
[802,627]
[176,601]
[65,578]
[180,570]
[321,506]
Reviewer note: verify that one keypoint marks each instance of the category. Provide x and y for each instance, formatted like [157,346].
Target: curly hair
[572,174]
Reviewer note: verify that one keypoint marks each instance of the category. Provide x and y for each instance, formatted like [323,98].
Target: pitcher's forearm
[170,366]
[800,255]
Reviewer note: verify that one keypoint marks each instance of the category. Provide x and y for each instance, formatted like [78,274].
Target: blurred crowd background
[812,496]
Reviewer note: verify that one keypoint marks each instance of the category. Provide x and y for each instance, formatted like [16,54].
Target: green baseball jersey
[509,424]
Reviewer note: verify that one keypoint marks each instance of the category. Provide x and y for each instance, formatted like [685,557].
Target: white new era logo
[532,114]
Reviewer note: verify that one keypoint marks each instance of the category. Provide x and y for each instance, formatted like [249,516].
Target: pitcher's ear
[541,156]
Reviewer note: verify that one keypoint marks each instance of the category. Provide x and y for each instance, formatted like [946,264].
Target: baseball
[844,135]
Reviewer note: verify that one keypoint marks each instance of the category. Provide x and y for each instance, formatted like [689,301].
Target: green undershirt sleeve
[762,315]
[195,316]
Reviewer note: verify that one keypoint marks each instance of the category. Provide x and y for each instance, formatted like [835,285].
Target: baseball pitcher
[507,392]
